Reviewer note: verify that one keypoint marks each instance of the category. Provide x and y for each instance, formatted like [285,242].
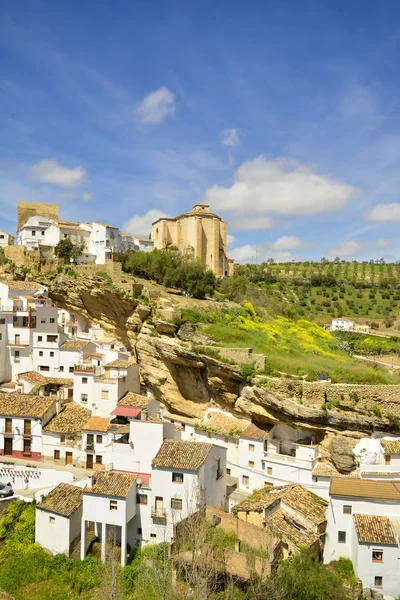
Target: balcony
[160,514]
[283,451]
[89,446]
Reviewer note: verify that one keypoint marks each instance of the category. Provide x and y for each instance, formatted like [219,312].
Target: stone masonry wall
[362,397]
[113,270]
[242,355]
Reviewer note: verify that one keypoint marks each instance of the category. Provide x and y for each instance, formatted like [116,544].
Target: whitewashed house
[32,233]
[97,435]
[346,534]
[58,519]
[341,325]
[100,389]
[111,503]
[22,418]
[62,436]
[5,239]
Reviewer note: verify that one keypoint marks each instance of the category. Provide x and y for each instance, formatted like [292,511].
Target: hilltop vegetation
[319,291]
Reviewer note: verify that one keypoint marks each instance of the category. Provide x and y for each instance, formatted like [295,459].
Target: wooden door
[8,446]
[387,459]
[17,339]
[27,427]
[68,458]
[89,461]
[159,505]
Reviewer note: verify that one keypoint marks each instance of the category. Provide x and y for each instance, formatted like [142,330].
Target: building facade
[199,233]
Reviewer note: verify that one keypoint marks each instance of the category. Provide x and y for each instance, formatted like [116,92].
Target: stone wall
[16,254]
[35,209]
[113,270]
[242,355]
[347,395]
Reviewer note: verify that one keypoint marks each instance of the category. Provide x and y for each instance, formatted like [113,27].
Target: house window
[61,369]
[56,455]
[40,338]
[33,233]
[347,509]
[42,232]
[251,464]
[245,480]
[252,447]
[44,368]
[153,535]
[139,531]
[52,338]
[40,352]
[219,470]
[2,321]
[228,471]
[183,427]
[16,355]
[104,394]
[341,537]
[43,320]
[84,398]
[71,369]
[377,555]
[62,439]
[141,499]
[176,504]
[2,236]
[99,439]
[84,379]
[52,320]
[177,477]
[99,459]
[52,520]
[51,354]
[113,505]
[269,470]
[378,581]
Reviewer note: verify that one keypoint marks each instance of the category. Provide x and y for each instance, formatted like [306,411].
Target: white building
[341,325]
[360,515]
[22,418]
[62,436]
[58,519]
[5,239]
[111,504]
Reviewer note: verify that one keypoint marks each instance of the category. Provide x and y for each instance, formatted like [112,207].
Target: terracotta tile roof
[25,405]
[326,470]
[9,384]
[283,524]
[373,529]
[295,496]
[70,420]
[135,400]
[106,339]
[64,500]
[108,483]
[118,364]
[365,488]
[32,377]
[180,418]
[29,286]
[74,345]
[253,432]
[223,425]
[391,446]
[182,455]
[97,424]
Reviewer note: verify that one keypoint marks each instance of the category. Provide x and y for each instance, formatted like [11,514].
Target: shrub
[247,371]
[377,410]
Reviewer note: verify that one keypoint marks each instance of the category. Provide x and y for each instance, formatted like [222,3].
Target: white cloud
[230,137]
[156,107]
[251,223]
[50,171]
[383,242]
[86,196]
[385,213]
[141,224]
[345,249]
[289,242]
[230,240]
[281,186]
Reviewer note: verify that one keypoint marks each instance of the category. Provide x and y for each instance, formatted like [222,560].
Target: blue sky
[283,116]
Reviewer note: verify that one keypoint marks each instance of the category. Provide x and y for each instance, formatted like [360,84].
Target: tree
[66,249]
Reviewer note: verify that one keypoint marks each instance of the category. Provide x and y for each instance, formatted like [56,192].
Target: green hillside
[292,346]
[320,291]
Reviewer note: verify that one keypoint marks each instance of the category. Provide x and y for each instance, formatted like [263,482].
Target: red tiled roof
[126,411]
